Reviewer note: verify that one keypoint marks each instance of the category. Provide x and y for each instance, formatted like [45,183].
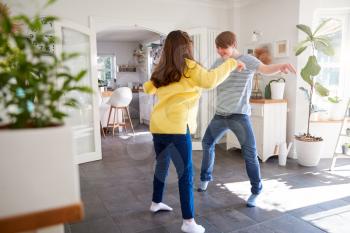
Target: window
[106,68]
[335,72]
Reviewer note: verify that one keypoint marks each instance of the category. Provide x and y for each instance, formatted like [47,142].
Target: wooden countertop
[267,101]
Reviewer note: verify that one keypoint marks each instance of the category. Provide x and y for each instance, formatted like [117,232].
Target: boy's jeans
[241,126]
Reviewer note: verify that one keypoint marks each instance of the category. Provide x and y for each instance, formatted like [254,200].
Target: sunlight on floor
[282,195]
[130,135]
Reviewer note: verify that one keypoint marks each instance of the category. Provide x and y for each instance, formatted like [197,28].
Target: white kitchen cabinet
[146,105]
[269,120]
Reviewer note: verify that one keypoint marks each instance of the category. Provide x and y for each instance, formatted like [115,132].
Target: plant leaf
[301,44]
[321,25]
[84,89]
[49,2]
[80,75]
[306,92]
[305,29]
[311,69]
[324,48]
[300,50]
[306,76]
[321,90]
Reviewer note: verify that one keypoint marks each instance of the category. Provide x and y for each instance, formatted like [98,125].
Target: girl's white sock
[192,227]
[155,207]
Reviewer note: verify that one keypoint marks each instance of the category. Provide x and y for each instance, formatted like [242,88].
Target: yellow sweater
[177,103]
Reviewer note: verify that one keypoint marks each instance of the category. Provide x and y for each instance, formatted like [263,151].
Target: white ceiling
[127,35]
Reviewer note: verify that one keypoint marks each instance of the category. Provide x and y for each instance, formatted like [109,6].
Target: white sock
[203,185]
[191,227]
[155,207]
[251,202]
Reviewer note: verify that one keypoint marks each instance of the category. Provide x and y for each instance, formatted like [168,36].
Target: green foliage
[34,81]
[334,99]
[316,42]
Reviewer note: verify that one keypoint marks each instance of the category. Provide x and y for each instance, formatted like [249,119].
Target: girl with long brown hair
[177,82]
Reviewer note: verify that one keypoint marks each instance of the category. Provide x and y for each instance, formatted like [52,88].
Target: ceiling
[127,35]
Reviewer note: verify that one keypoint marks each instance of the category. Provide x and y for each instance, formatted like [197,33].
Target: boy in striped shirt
[233,112]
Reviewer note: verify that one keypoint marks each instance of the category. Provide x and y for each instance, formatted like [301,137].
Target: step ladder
[342,134]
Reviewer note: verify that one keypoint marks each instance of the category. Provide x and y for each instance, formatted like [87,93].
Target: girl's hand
[240,66]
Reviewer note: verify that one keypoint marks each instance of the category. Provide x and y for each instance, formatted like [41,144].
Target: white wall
[276,19]
[161,15]
[124,55]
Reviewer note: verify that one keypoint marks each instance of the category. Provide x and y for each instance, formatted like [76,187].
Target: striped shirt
[234,93]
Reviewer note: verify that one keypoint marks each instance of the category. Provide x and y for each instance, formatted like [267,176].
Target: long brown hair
[172,65]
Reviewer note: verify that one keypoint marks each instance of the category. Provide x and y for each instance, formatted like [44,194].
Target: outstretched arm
[211,78]
[275,68]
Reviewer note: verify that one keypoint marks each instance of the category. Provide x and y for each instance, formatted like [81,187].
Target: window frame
[113,69]
[344,69]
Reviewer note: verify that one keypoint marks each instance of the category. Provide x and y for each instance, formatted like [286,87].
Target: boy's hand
[287,68]
[240,66]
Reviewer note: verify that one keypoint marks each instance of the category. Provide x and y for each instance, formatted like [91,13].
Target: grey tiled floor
[117,190]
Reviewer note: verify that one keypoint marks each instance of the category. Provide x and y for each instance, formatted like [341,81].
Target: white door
[204,52]
[85,119]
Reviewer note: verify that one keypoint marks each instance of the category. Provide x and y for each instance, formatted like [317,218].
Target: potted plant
[308,147]
[336,111]
[37,170]
[346,148]
[275,89]
[347,131]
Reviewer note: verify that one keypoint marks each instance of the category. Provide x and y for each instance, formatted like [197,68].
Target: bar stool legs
[116,123]
[130,121]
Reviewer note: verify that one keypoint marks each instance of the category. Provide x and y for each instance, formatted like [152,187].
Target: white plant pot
[336,111]
[277,90]
[37,171]
[308,153]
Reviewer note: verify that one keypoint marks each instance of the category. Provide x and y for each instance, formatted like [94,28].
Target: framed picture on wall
[249,50]
[281,48]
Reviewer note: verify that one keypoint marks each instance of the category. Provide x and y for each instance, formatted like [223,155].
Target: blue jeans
[241,126]
[178,148]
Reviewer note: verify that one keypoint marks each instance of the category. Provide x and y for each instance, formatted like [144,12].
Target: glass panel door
[84,119]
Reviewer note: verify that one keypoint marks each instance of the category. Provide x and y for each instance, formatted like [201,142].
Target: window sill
[329,121]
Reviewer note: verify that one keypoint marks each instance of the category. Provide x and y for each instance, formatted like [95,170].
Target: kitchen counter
[109,93]
[266,101]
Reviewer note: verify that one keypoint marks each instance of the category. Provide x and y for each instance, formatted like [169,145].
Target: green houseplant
[309,146]
[346,148]
[34,81]
[37,171]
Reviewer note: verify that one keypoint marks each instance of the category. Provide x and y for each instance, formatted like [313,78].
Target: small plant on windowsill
[346,148]
[309,146]
[336,111]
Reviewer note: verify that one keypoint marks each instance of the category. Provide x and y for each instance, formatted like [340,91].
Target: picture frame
[248,50]
[281,48]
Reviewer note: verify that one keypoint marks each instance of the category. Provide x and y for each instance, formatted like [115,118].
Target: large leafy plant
[316,41]
[34,81]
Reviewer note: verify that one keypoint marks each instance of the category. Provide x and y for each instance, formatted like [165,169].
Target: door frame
[97,154]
